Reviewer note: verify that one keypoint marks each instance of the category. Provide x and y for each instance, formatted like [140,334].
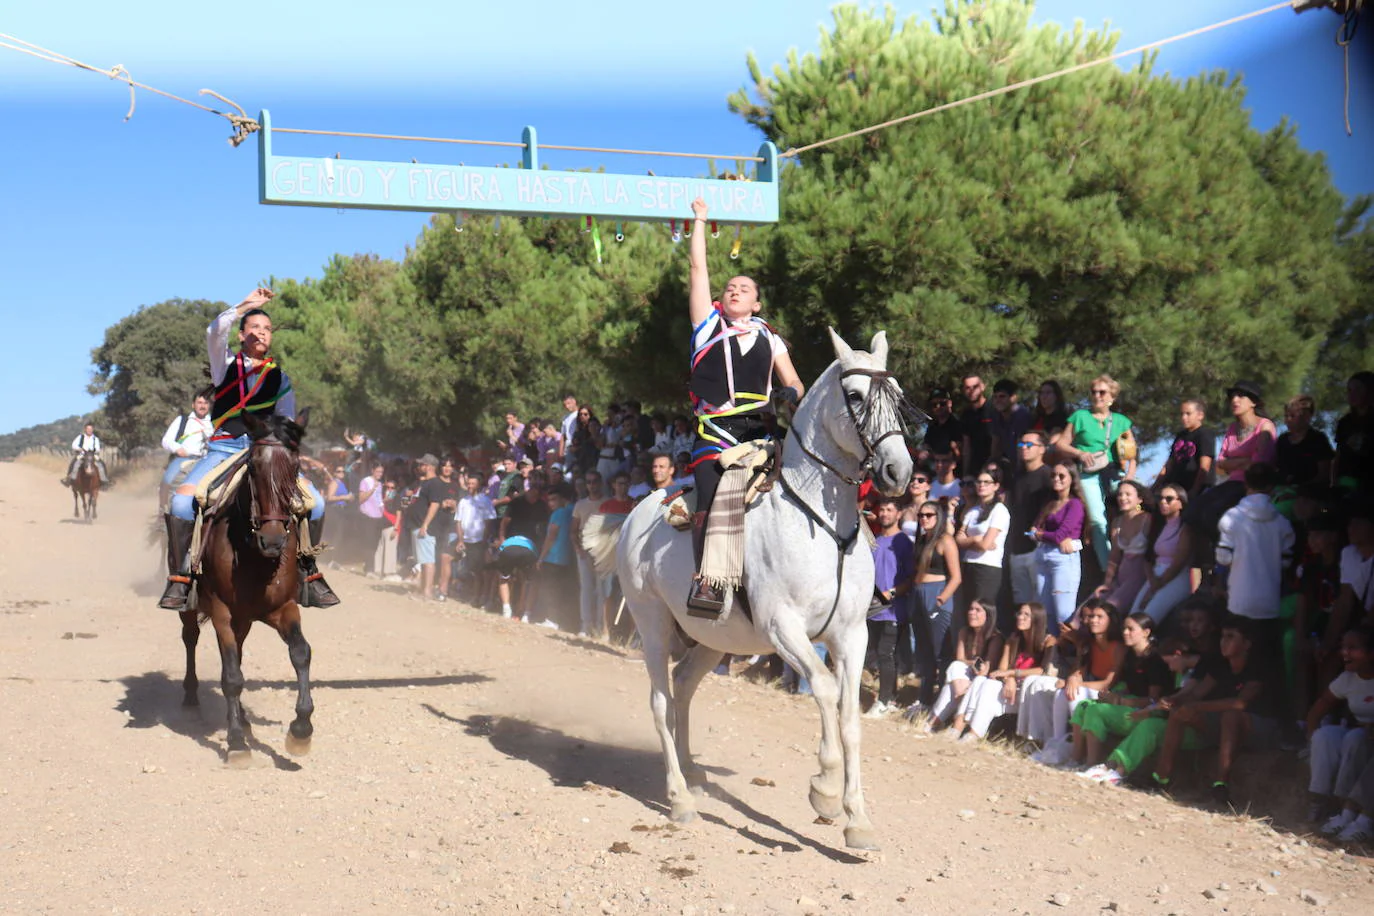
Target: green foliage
[59,433]
[1109,221]
[150,366]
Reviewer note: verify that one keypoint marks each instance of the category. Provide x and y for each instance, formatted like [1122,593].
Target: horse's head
[869,415]
[273,465]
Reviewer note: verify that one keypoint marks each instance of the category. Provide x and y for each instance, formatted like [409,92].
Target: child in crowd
[1044,715]
[1142,679]
[893,555]
[1341,753]
[977,642]
[997,693]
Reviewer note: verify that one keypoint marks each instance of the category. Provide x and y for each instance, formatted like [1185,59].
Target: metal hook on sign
[457,221]
[673,230]
[739,240]
[715,230]
[619,233]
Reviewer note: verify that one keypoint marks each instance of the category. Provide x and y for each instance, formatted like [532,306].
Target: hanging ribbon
[739,240]
[457,221]
[687,226]
[596,238]
[715,230]
[619,233]
[673,230]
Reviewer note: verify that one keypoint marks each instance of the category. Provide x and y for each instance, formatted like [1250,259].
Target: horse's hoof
[302,729]
[239,760]
[682,814]
[297,747]
[827,806]
[191,700]
[861,838]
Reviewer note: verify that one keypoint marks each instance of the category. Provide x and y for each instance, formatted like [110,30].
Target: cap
[524,463]
[1250,389]
[939,394]
[1004,386]
[428,459]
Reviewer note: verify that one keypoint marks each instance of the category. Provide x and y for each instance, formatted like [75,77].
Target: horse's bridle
[255,521]
[876,376]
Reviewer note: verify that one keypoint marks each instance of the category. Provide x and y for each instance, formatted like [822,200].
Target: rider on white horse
[735,355]
[247,382]
[88,441]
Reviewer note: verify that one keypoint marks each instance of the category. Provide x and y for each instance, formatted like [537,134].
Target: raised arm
[699,284]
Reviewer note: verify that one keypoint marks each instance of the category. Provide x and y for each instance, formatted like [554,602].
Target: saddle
[217,489]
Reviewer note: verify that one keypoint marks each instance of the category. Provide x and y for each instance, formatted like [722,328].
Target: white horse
[808,576]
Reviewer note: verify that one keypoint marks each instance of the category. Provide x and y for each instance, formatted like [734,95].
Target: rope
[1345,36]
[992,93]
[243,125]
[577,149]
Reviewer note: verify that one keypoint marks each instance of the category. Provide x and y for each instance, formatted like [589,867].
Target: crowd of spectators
[1030,581]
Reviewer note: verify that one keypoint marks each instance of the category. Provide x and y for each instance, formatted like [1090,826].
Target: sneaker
[1360,830]
[505,613]
[1337,822]
[524,618]
[1054,753]
[392,578]
[548,624]
[1220,794]
[441,597]
[1101,773]
[877,710]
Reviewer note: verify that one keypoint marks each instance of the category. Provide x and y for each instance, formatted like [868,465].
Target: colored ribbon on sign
[715,230]
[739,240]
[596,238]
[619,233]
[673,230]
[457,221]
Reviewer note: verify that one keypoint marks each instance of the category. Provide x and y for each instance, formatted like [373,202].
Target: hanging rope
[1003,90]
[242,124]
[1345,35]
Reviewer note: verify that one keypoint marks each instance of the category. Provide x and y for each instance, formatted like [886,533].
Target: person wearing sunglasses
[937,581]
[1098,438]
[982,537]
[1169,582]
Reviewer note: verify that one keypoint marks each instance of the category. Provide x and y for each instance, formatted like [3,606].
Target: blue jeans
[1057,575]
[169,476]
[184,504]
[932,626]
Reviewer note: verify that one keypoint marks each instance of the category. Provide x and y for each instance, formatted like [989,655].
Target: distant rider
[88,441]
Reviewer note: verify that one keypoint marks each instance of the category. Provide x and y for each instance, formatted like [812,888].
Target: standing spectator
[1051,414]
[892,560]
[976,422]
[1091,439]
[428,499]
[1189,464]
[611,457]
[555,564]
[1168,582]
[590,586]
[1340,754]
[567,430]
[548,445]
[475,513]
[513,444]
[946,484]
[1249,440]
[1127,567]
[944,435]
[1303,454]
[524,524]
[1058,531]
[529,439]
[1009,421]
[982,536]
[1318,576]
[445,531]
[1024,655]
[516,480]
[917,492]
[663,436]
[1354,468]
[1029,493]
[586,441]
[1255,543]
[683,437]
[937,580]
[372,509]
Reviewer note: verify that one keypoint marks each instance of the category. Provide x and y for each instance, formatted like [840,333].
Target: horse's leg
[190,635]
[687,675]
[655,627]
[789,636]
[849,648]
[288,624]
[230,681]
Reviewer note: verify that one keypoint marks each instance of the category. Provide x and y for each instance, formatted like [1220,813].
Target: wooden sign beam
[525,191]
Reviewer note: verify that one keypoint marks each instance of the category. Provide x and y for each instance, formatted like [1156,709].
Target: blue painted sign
[524,191]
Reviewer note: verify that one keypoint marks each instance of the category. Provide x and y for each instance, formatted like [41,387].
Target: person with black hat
[944,433]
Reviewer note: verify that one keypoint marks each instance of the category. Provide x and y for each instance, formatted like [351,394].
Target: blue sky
[100,216]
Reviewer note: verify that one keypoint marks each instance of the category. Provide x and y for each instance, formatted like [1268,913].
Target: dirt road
[464,763]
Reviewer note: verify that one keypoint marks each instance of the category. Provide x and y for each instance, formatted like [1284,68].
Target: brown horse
[248,574]
[86,487]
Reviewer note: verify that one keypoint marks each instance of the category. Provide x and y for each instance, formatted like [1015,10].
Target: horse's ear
[843,352]
[254,426]
[303,419]
[879,348]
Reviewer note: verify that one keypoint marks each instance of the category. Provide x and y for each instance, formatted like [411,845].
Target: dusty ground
[466,763]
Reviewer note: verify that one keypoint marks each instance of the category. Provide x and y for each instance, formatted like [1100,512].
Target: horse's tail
[599,538]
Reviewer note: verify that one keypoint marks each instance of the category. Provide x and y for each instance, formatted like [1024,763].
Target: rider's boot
[178,589]
[71,470]
[704,600]
[315,592]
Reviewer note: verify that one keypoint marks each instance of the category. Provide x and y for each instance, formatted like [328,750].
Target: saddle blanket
[722,557]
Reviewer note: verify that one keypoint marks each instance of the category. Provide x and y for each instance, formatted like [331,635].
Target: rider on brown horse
[88,441]
[247,382]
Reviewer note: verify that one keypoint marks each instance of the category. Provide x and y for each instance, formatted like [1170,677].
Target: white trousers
[945,702]
[982,703]
[1045,709]
[1339,754]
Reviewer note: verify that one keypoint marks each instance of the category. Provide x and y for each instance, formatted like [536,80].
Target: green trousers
[1140,738]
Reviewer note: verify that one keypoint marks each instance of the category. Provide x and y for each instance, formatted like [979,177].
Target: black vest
[257,393]
[753,371]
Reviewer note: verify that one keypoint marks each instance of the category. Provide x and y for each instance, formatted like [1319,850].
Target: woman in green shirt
[1094,439]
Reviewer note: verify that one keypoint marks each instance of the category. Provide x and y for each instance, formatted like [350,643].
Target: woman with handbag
[1101,442]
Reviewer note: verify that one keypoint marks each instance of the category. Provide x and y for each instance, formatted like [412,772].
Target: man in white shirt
[567,429]
[185,440]
[474,515]
[88,441]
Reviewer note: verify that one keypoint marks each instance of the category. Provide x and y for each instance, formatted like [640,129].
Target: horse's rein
[255,521]
[876,376]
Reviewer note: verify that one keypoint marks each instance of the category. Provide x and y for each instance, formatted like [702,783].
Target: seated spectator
[1169,580]
[977,648]
[1127,567]
[663,436]
[683,438]
[1046,708]
[1050,414]
[1200,618]
[639,483]
[1303,454]
[1354,606]
[682,471]
[1341,752]
[892,561]
[1193,453]
[1140,682]
[1024,655]
[1231,708]
[1318,576]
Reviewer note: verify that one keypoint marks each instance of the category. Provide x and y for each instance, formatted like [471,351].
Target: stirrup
[176,594]
[315,592]
[704,601]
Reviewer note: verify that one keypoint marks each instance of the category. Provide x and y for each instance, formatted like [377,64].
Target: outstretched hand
[256,299]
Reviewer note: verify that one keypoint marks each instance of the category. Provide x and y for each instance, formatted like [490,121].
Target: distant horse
[86,487]
[249,574]
[808,575]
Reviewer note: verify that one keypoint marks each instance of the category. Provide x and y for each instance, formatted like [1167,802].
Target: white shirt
[1356,572]
[939,490]
[85,443]
[1256,542]
[1358,694]
[640,490]
[198,432]
[473,514]
[977,526]
[568,428]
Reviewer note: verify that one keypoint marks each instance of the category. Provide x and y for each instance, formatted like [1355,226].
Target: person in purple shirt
[893,571]
[1059,532]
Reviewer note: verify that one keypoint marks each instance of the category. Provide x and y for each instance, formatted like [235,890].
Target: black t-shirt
[1297,463]
[430,492]
[1189,447]
[443,518]
[527,519]
[977,425]
[1228,684]
[940,437]
[1355,448]
[1143,673]
[1028,495]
